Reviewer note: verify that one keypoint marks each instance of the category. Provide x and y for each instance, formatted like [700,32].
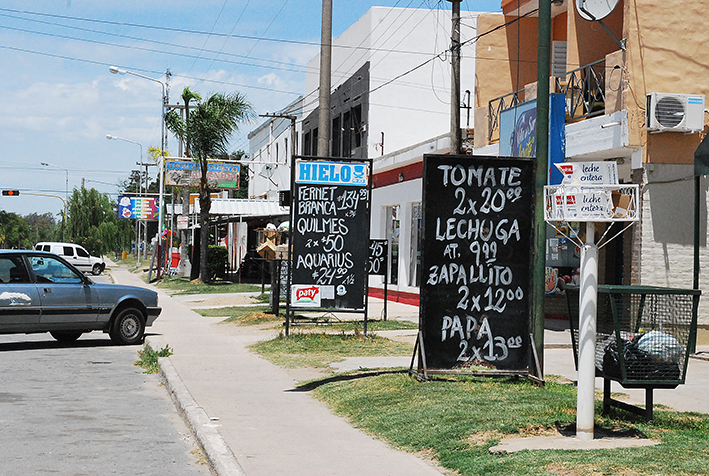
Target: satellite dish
[267,171]
[593,10]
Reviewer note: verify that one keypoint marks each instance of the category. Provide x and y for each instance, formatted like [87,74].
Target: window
[357,126]
[306,143]
[416,244]
[12,270]
[346,134]
[68,251]
[393,228]
[82,252]
[51,270]
[315,142]
[336,134]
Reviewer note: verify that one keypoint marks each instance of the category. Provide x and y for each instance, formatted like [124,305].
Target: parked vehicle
[76,255]
[42,292]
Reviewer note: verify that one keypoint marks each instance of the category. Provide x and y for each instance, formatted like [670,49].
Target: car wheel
[128,327]
[66,336]
[96,269]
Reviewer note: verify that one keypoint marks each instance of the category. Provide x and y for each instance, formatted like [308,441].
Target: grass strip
[457,419]
[183,286]
[321,349]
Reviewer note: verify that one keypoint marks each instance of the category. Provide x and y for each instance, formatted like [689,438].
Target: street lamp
[117,70]
[140,189]
[66,187]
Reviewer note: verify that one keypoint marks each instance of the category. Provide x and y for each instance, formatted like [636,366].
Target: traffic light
[10,192]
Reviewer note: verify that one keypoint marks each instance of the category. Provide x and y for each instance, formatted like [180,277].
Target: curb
[221,459]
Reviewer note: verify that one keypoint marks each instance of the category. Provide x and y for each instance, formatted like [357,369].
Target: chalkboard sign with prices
[330,230]
[476,262]
[378,254]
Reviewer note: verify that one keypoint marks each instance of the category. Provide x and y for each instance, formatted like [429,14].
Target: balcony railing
[495,108]
[583,88]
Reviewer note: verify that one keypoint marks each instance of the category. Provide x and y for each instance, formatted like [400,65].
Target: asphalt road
[85,409]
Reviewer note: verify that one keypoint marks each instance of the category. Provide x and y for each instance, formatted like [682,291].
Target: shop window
[393,229]
[416,245]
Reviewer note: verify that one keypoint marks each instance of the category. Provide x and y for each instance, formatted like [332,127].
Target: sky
[61,101]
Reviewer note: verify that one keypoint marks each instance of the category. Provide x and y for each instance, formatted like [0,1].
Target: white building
[390,102]
[270,147]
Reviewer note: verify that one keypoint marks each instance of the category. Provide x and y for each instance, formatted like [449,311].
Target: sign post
[589,193]
[476,264]
[329,235]
[379,264]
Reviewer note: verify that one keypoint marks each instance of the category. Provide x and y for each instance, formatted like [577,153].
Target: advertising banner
[139,208]
[186,173]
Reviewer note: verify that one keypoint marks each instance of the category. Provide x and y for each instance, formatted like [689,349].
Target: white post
[588,305]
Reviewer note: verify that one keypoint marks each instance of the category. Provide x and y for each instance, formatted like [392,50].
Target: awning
[244,207]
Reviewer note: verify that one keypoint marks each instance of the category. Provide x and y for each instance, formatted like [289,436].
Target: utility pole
[325,73]
[542,155]
[455,77]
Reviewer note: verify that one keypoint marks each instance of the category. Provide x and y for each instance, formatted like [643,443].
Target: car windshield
[51,270]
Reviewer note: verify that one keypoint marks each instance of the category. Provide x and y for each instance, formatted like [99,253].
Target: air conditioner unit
[674,112]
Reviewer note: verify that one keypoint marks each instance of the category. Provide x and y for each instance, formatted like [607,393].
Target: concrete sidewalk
[269,426]
[251,419]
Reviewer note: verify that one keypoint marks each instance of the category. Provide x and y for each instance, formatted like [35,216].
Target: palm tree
[207,130]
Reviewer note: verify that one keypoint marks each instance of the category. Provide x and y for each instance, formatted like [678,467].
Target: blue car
[42,292]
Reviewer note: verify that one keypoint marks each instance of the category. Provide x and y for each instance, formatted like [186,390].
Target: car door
[20,305]
[66,296]
[83,259]
[69,254]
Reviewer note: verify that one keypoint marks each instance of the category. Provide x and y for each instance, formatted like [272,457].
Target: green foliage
[14,231]
[206,131]
[148,358]
[457,419]
[94,223]
[217,257]
[182,286]
[321,349]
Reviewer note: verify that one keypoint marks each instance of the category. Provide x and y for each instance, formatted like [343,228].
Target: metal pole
[455,77]
[542,154]
[588,305]
[325,80]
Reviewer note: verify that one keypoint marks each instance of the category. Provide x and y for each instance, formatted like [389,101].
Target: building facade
[612,76]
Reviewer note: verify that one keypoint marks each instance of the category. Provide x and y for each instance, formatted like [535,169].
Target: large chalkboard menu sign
[476,262]
[330,233]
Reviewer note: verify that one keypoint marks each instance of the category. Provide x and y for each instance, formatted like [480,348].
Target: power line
[194,32]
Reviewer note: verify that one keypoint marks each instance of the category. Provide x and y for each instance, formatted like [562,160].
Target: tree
[14,232]
[43,227]
[207,131]
[94,223]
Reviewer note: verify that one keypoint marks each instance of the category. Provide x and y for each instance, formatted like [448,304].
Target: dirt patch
[231,300]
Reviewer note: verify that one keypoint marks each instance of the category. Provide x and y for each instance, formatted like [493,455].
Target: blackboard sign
[476,261]
[330,230]
[378,254]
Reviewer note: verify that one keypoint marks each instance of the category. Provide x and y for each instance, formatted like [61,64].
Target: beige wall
[667,53]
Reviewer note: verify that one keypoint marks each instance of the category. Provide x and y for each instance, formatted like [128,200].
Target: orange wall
[588,41]
[667,53]
[506,59]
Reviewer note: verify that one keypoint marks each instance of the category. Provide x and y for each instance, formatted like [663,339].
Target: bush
[217,257]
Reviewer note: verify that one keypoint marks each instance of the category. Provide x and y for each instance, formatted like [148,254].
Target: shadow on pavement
[312,385]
